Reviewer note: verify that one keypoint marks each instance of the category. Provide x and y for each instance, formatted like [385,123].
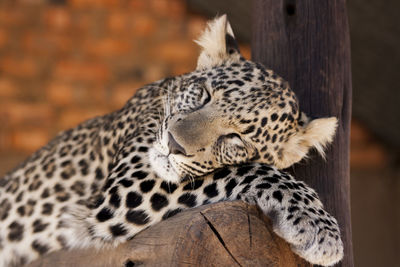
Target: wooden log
[307,43]
[221,234]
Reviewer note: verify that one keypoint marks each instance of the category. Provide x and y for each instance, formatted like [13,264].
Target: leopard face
[231,111]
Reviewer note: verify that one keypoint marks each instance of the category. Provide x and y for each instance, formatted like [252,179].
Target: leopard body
[222,132]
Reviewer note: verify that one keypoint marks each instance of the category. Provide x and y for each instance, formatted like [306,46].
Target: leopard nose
[174,147]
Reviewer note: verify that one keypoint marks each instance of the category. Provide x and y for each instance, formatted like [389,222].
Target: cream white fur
[316,134]
[213,44]
[319,133]
[162,166]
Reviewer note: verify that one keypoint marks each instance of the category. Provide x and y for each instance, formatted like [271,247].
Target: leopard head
[231,111]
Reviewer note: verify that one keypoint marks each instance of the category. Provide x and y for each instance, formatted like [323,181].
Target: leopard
[223,132]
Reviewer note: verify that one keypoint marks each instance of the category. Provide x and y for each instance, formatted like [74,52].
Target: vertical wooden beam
[307,43]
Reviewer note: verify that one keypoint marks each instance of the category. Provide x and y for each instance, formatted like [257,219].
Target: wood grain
[221,234]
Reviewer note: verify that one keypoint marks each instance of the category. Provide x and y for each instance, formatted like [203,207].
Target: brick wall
[64,61]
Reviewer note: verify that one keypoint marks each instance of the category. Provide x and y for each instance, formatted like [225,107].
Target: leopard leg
[296,212]
[294,208]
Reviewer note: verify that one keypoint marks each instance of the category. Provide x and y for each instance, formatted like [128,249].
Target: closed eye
[232,135]
[205,99]
[208,97]
[231,138]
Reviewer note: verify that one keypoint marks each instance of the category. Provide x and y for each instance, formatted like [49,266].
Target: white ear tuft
[214,43]
[319,133]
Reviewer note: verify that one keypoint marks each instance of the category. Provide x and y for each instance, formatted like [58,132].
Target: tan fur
[212,42]
[316,134]
[198,132]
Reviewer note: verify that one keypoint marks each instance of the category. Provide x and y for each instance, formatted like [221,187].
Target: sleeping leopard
[219,133]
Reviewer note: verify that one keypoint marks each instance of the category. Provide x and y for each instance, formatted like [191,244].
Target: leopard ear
[317,133]
[218,44]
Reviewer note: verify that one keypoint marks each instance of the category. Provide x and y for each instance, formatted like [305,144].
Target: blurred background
[64,61]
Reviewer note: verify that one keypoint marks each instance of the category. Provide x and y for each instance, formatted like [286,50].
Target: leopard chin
[163,167]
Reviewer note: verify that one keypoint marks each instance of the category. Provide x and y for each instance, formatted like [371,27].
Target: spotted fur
[219,133]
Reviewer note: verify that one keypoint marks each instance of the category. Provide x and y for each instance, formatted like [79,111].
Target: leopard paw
[315,238]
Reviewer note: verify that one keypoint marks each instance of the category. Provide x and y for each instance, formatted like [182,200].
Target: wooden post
[307,43]
[221,234]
